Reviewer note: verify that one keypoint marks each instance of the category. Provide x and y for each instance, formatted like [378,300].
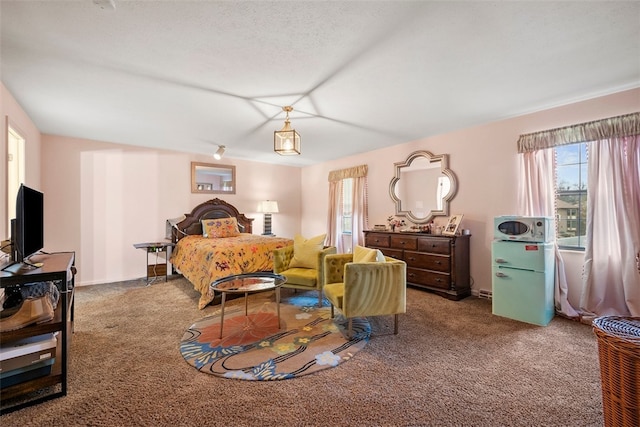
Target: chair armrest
[282,258]
[334,267]
[326,251]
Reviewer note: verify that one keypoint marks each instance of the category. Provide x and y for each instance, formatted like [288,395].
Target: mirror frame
[226,168]
[444,169]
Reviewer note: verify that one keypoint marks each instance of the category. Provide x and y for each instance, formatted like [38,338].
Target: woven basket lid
[624,328]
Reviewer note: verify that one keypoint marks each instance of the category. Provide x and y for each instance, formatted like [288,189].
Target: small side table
[248,283]
[155,270]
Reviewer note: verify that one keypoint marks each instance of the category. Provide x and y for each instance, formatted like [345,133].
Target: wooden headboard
[214,208]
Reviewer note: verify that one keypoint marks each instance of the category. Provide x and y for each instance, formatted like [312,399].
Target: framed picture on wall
[452,225]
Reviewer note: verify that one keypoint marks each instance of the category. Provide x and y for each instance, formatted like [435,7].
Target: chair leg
[350,330]
[320,298]
[395,326]
[332,311]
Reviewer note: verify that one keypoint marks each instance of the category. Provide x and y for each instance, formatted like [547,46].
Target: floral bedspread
[202,260]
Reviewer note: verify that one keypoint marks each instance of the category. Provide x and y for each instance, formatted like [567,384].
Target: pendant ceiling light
[286,141]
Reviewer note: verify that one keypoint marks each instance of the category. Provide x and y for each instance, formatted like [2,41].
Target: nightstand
[156,270]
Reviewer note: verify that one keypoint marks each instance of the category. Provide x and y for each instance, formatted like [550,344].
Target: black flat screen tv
[28,233]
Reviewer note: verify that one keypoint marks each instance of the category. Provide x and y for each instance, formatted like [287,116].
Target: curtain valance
[619,126]
[354,172]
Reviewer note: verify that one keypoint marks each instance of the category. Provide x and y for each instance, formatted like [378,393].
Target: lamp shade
[268,206]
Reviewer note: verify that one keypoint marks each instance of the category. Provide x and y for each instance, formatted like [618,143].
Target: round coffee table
[248,283]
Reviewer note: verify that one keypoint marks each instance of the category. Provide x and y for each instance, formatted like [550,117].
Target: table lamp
[268,207]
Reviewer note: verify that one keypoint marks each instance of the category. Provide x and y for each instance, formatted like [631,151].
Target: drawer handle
[498,274]
[438,262]
[412,259]
[501,261]
[433,245]
[402,243]
[411,275]
[439,280]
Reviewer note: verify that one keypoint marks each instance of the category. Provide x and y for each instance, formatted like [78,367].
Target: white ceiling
[361,75]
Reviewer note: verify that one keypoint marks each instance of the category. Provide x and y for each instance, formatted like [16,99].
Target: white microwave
[524,228]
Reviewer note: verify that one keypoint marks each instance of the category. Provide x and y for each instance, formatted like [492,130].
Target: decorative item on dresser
[436,263]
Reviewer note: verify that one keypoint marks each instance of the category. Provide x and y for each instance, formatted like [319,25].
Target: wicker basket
[619,355]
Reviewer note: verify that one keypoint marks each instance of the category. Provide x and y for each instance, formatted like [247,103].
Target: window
[347,208]
[347,214]
[571,195]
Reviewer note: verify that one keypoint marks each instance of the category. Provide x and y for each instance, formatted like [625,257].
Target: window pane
[572,215]
[347,208]
[346,225]
[568,177]
[347,190]
[571,194]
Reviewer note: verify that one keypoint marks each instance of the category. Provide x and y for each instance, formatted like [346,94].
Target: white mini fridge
[523,281]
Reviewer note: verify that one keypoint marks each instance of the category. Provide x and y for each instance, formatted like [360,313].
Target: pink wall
[484,159]
[110,196]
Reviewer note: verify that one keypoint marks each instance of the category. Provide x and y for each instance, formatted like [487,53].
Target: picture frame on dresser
[452,225]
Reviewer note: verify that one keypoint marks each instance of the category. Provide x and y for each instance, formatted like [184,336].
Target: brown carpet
[452,364]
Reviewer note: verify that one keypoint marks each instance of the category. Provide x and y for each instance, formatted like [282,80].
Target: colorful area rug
[253,348]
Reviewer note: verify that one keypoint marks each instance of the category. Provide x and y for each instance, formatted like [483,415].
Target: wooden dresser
[434,262]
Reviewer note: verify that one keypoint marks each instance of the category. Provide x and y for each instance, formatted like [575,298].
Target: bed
[201,260]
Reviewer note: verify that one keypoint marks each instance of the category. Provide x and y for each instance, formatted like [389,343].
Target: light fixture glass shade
[268,206]
[218,154]
[286,141]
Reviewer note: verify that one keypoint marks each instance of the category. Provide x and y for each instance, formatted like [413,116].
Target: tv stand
[33,264]
[8,264]
[58,268]
[21,267]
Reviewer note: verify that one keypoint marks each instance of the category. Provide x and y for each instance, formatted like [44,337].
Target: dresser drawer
[434,246]
[404,242]
[428,278]
[427,261]
[376,240]
[393,253]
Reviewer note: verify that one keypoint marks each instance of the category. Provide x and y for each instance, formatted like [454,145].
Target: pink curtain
[612,270]
[612,257]
[360,216]
[536,197]
[334,216]
[359,205]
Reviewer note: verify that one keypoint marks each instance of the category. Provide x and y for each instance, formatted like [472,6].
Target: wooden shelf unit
[58,268]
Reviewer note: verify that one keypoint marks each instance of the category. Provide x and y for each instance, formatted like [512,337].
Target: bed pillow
[220,227]
[305,251]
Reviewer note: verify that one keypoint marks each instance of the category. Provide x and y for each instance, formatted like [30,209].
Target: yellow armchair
[365,288]
[301,277]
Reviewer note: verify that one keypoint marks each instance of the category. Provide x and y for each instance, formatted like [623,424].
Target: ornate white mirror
[423,186]
[213,178]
